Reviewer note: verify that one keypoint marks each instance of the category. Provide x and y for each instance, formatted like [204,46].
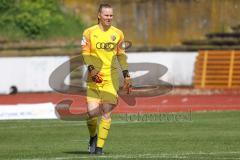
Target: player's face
[106,16]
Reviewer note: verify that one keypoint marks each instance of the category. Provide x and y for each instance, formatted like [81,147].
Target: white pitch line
[80,124]
[151,156]
[41,126]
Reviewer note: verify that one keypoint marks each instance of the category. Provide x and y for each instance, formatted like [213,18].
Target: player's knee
[93,110]
[107,108]
[106,116]
[92,114]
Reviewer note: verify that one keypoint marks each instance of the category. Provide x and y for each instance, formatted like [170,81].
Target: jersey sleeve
[121,55]
[86,47]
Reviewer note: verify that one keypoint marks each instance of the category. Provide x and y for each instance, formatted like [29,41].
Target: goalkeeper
[101,47]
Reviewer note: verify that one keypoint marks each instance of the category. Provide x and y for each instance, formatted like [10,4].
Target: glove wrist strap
[125,73]
[90,68]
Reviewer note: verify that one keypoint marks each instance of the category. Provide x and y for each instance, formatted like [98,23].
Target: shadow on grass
[77,152]
[83,153]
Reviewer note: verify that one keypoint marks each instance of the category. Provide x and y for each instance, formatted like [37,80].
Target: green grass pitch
[208,135]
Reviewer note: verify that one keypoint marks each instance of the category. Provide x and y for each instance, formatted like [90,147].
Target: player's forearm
[122,59]
[94,74]
[87,58]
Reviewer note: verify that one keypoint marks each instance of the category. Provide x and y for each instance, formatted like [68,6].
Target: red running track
[166,103]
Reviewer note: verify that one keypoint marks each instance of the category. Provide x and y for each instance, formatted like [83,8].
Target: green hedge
[37,19]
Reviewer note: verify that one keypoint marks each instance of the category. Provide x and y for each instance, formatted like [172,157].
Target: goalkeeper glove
[127,82]
[94,74]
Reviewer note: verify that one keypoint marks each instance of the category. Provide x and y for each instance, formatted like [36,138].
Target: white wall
[29,74]
[180,65]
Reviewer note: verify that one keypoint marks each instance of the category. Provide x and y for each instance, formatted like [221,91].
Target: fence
[217,69]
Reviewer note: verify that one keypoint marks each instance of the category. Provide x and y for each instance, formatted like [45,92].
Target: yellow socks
[92,126]
[103,129]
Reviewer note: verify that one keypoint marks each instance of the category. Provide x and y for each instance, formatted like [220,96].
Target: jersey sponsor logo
[109,46]
[84,41]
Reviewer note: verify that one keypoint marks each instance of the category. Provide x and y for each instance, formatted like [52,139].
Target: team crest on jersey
[113,37]
[84,41]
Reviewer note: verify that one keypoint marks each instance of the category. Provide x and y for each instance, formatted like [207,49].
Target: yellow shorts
[105,92]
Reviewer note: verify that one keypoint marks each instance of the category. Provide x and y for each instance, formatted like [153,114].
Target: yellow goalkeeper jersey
[102,48]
